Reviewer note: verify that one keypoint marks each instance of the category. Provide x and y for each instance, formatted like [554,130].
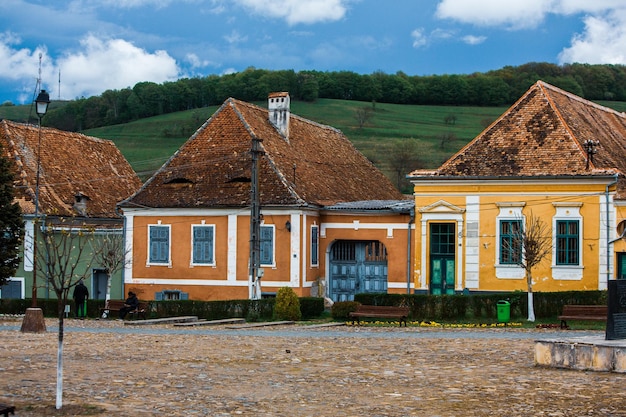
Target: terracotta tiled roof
[70,164]
[543,134]
[315,166]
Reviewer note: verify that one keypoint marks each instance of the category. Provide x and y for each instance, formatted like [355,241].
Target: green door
[442,260]
[621,265]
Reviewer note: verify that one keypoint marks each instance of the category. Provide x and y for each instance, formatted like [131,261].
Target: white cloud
[195,62]
[112,64]
[419,39]
[235,37]
[516,14]
[474,40]
[602,42]
[298,11]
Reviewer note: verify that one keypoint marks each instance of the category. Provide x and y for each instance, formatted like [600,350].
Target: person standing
[81,294]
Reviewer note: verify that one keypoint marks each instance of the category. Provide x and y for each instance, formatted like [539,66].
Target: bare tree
[363,115]
[528,247]
[110,253]
[450,119]
[446,138]
[64,259]
[404,158]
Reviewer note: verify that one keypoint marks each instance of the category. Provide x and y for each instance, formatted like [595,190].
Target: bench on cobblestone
[116,305]
[582,312]
[383,312]
[6,409]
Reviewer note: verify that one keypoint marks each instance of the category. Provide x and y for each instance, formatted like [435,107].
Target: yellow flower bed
[379,323]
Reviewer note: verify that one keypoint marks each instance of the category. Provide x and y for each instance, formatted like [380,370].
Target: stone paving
[115,370]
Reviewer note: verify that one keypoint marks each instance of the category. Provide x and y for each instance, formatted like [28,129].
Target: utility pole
[255,223]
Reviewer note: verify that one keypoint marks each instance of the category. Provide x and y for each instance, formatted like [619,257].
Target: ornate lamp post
[33,319]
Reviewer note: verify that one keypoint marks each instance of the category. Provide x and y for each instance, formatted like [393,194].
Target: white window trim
[568,211]
[316,264]
[508,211]
[191,262]
[169,246]
[273,264]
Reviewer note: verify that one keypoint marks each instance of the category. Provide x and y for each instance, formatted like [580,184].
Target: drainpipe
[608,231]
[408,251]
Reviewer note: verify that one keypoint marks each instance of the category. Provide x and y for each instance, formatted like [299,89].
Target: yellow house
[552,155]
[329,222]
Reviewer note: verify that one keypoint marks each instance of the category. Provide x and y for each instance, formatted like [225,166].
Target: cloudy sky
[95,45]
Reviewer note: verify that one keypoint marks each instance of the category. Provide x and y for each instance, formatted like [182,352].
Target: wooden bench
[116,305]
[582,312]
[6,409]
[385,312]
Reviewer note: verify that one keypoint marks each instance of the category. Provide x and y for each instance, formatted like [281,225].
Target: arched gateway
[356,267]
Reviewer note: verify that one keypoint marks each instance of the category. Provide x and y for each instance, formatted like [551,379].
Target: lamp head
[41,102]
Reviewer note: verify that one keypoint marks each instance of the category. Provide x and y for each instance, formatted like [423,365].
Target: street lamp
[33,318]
[41,107]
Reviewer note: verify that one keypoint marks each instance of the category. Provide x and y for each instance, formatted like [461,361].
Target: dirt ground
[112,369]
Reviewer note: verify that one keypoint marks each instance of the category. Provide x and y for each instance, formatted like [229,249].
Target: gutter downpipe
[608,231]
[408,250]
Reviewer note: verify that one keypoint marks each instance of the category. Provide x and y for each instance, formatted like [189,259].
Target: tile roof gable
[543,134]
[316,165]
[71,165]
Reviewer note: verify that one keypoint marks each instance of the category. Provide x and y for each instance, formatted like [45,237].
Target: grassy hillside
[148,143]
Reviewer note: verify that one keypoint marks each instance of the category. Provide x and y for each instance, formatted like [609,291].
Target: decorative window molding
[509,217]
[567,237]
[203,245]
[159,247]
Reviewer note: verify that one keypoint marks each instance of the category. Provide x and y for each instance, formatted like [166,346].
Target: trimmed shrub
[311,307]
[341,309]
[287,306]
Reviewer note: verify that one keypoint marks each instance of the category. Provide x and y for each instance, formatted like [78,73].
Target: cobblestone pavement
[111,369]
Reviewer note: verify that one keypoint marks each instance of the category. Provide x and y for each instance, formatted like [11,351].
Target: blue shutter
[159,244]
[158,296]
[267,245]
[184,296]
[203,244]
[314,245]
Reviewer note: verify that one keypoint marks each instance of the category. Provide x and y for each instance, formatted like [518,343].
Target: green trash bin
[504,311]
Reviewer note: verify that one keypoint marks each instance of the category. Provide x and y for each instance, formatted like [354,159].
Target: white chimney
[278,106]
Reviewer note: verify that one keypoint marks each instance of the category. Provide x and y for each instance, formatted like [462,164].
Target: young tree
[363,115]
[110,253]
[529,246]
[64,259]
[11,223]
[404,157]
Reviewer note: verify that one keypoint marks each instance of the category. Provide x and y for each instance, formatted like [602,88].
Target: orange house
[329,223]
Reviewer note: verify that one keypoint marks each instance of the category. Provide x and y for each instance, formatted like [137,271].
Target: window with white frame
[567,242]
[203,244]
[267,245]
[509,225]
[567,231]
[315,239]
[159,244]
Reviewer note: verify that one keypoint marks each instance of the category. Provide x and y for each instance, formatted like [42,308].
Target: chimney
[278,106]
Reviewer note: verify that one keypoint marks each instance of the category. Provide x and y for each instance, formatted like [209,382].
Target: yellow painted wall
[539,199]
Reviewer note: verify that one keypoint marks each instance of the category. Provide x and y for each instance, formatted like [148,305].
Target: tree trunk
[531,303]
[59,399]
[33,321]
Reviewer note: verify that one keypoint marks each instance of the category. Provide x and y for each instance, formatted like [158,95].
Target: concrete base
[592,353]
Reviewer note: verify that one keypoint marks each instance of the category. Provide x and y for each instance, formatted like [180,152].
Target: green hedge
[482,306]
[548,305]
[252,310]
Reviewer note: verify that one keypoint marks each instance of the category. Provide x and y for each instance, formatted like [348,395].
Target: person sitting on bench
[130,304]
